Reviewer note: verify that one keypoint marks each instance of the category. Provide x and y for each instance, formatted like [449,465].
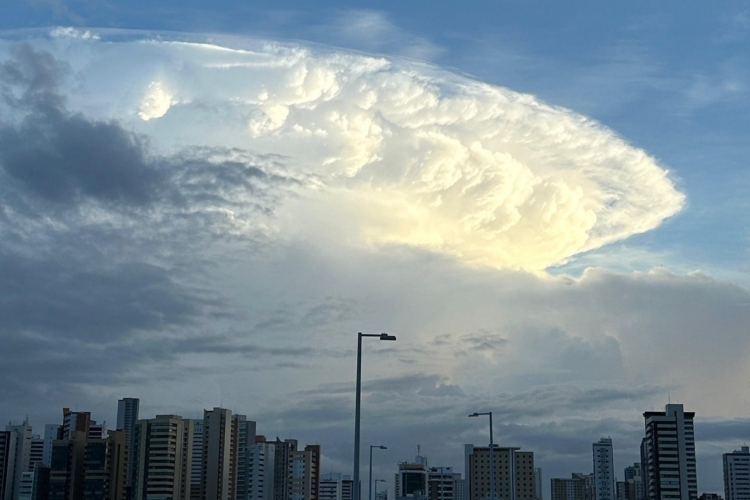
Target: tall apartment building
[23,440]
[572,488]
[444,484]
[162,456]
[262,457]
[51,432]
[538,484]
[514,473]
[635,485]
[246,430]
[219,455]
[128,413]
[604,470]
[196,466]
[304,473]
[67,466]
[335,486]
[105,468]
[737,474]
[7,464]
[669,466]
[282,458]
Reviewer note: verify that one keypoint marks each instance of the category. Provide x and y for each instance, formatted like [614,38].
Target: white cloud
[405,153]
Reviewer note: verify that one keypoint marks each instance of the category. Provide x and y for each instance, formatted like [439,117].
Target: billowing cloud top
[392,152]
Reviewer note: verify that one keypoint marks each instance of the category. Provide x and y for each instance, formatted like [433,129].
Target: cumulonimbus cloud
[400,152]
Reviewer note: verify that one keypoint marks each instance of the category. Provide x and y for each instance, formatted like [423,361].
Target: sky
[546,203]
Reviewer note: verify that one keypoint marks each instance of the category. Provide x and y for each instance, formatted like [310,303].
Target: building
[51,432]
[444,484]
[67,467]
[514,473]
[162,454]
[128,413]
[304,473]
[411,479]
[335,486]
[604,470]
[246,430]
[737,474]
[261,462]
[710,496]
[538,484]
[105,468]
[281,459]
[7,464]
[196,464]
[634,480]
[23,433]
[573,488]
[669,466]
[219,455]
[621,490]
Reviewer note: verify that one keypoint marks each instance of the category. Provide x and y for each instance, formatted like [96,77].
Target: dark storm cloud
[91,301]
[62,156]
[736,430]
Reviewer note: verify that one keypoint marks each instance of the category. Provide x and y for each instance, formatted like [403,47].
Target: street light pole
[376,487]
[492,455]
[369,488]
[381,336]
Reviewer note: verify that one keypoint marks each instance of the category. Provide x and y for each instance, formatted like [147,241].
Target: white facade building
[737,474]
[604,470]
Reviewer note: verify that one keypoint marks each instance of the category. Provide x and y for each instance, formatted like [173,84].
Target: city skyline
[203,205]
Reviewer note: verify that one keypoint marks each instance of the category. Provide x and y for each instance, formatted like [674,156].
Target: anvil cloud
[388,151]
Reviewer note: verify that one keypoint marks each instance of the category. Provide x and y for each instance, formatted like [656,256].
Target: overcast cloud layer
[224,220]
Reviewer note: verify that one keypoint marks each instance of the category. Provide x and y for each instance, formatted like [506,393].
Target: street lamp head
[383,447]
[385,336]
[474,415]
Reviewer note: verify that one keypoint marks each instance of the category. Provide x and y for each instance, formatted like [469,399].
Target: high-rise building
[669,449]
[105,468]
[262,457]
[634,480]
[737,474]
[444,484]
[51,432]
[74,421]
[67,466]
[128,413]
[23,440]
[40,484]
[281,459]
[604,470]
[7,464]
[246,430]
[573,488]
[411,479]
[196,466]
[335,486]
[219,455]
[514,473]
[162,453]
[538,482]
[304,473]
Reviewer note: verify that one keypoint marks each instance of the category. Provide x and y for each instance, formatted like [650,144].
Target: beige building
[573,488]
[105,467]
[162,452]
[219,466]
[514,473]
[304,473]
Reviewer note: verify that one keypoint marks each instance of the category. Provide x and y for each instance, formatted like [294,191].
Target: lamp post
[373,446]
[376,487]
[492,455]
[381,336]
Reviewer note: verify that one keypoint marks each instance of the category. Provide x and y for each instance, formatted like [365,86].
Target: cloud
[401,153]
